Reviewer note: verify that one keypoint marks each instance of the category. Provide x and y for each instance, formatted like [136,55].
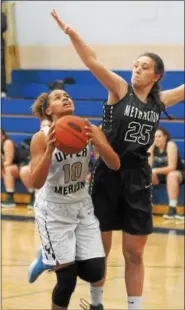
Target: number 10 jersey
[65,182]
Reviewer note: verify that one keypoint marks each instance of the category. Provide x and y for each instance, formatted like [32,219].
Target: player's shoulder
[115,99]
[171,145]
[38,137]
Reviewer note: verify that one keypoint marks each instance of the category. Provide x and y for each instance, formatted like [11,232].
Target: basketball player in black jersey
[122,199]
[167,168]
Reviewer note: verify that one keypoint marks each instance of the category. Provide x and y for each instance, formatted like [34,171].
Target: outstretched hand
[60,23]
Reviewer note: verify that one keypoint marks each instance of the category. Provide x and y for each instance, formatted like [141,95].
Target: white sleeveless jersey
[65,182]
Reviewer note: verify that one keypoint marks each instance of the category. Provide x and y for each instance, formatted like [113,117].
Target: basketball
[70,134]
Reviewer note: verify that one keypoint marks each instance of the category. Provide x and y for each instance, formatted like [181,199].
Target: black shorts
[122,200]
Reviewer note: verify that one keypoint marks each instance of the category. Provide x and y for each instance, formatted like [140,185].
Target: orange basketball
[70,135]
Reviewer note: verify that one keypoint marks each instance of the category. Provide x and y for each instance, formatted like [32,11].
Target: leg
[89,250]
[174,178]
[105,196]
[155,179]
[133,249]
[66,283]
[107,243]
[97,287]
[56,225]
[136,214]
[9,175]
[25,178]
[92,271]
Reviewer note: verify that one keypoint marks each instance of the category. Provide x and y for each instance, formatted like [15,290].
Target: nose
[138,69]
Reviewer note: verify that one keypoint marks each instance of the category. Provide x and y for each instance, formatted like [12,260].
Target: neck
[142,92]
[56,117]
[162,147]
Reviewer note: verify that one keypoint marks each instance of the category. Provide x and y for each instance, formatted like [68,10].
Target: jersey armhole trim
[114,104]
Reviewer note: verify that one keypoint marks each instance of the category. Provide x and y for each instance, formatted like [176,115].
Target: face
[143,72]
[60,104]
[160,138]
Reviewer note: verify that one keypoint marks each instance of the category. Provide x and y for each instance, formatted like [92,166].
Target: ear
[157,77]
[48,111]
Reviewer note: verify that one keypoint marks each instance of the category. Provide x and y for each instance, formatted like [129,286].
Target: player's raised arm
[110,80]
[172,96]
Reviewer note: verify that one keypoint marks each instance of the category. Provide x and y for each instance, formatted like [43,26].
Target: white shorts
[68,232]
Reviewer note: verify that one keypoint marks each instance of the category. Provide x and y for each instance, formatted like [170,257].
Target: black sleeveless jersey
[161,159]
[130,126]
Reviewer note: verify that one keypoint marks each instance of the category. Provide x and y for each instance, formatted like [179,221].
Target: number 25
[138,133]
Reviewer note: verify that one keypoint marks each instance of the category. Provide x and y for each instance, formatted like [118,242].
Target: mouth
[66,103]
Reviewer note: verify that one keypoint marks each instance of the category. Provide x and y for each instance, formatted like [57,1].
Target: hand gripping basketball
[71,134]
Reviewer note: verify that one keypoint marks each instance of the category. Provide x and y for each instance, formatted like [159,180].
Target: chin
[134,83]
[68,112]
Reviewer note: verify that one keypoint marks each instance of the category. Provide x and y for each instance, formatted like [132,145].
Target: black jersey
[130,126]
[161,159]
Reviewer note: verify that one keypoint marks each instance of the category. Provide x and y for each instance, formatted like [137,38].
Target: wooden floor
[164,276]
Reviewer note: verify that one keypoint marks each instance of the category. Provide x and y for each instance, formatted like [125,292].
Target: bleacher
[88,96]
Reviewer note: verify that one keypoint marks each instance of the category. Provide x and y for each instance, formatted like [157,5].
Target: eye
[57,97]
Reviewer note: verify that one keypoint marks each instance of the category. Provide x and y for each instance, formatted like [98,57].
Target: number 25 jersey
[130,127]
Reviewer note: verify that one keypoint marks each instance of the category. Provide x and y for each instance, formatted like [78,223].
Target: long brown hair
[155,91]
[165,133]
[39,107]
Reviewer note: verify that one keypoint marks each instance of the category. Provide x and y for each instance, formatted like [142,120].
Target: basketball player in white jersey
[69,231]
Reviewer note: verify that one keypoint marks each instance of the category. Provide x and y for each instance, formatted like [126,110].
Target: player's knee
[134,256]
[66,282]
[92,270]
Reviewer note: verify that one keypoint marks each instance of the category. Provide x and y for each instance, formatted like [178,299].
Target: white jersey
[65,182]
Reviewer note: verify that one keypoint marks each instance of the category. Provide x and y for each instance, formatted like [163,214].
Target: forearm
[85,52]
[108,155]
[8,163]
[163,170]
[40,172]
[150,160]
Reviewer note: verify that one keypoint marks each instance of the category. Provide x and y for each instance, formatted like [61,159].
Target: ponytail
[39,107]
[155,95]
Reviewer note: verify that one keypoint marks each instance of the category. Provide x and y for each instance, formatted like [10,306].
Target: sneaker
[171,213]
[99,307]
[37,267]
[180,216]
[9,202]
[31,203]
[86,306]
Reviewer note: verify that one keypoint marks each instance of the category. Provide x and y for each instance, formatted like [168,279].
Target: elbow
[115,165]
[37,186]
[171,169]
[36,183]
